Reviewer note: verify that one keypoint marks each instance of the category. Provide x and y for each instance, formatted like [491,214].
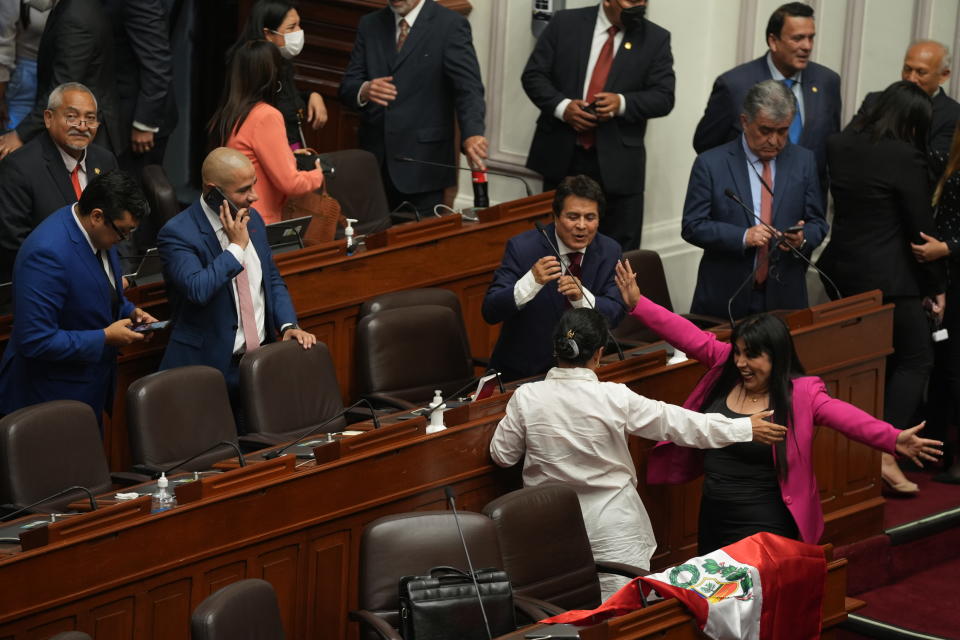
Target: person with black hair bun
[749,488]
[572,428]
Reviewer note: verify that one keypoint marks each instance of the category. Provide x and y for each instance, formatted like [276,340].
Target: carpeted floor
[933,497]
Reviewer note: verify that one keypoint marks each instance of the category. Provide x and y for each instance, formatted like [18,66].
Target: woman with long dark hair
[880,181]
[572,428]
[248,121]
[278,22]
[752,487]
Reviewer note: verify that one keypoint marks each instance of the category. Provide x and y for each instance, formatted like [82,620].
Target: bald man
[927,65]
[226,294]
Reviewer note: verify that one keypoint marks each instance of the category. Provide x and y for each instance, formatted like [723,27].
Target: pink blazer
[263,139]
[673,464]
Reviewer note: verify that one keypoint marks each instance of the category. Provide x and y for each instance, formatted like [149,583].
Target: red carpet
[934,497]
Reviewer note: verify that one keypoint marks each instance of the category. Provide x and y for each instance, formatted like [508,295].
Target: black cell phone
[214,198]
[147,327]
[591,108]
[795,228]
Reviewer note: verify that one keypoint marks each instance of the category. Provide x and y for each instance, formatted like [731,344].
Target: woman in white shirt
[573,429]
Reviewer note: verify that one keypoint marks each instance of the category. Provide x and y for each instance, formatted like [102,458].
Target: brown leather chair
[244,610]
[545,548]
[70,635]
[358,187]
[403,355]
[160,194]
[653,285]
[48,447]
[175,414]
[287,391]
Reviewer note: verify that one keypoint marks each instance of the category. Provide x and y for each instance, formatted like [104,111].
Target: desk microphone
[58,494]
[543,231]
[222,443]
[459,168]
[456,518]
[276,453]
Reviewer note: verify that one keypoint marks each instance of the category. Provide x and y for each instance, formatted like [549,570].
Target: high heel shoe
[901,487]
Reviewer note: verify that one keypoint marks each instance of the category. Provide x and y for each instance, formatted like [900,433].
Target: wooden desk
[140,576]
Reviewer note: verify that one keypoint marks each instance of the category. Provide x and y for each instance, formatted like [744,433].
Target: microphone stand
[222,443]
[456,518]
[58,494]
[459,168]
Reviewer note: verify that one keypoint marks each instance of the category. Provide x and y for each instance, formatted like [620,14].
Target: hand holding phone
[794,229]
[149,327]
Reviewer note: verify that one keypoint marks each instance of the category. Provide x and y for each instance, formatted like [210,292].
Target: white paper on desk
[677,357]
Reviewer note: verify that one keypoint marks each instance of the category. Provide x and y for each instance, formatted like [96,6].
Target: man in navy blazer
[790,33]
[733,239]
[532,288]
[407,82]
[205,248]
[70,314]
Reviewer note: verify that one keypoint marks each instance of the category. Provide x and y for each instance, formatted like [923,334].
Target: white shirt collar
[776,75]
[86,235]
[70,162]
[410,17]
[571,373]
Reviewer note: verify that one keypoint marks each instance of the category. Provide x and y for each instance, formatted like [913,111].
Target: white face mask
[40,5]
[292,44]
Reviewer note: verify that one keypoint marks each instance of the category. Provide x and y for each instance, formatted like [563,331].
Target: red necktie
[597,81]
[247,318]
[404,32]
[574,268]
[766,214]
[75,179]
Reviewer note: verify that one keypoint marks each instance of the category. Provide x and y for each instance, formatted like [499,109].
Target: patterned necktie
[796,127]
[574,268]
[598,81]
[766,214]
[75,180]
[247,318]
[404,32]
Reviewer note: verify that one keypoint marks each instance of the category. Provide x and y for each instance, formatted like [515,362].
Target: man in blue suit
[70,314]
[790,33]
[532,288]
[220,272]
[777,182]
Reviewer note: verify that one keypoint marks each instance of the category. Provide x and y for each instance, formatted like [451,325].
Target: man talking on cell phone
[226,294]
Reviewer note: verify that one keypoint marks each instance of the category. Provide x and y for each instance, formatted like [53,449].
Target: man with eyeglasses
[71,315]
[51,170]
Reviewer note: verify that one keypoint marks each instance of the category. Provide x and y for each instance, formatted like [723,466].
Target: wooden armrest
[380,399]
[376,623]
[128,478]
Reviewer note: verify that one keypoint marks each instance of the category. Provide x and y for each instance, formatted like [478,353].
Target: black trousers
[910,364]
[943,406]
[724,522]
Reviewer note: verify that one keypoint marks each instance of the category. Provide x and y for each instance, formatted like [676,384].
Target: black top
[291,103]
[741,472]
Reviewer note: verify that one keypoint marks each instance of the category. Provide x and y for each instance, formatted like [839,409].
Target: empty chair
[175,414]
[404,354]
[545,548]
[49,447]
[358,188]
[287,391]
[244,610]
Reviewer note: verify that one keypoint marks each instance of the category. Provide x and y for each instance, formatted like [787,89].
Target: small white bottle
[436,413]
[163,499]
[348,234]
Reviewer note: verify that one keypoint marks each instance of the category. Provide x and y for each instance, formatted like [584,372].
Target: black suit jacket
[642,72]
[821,108]
[436,74]
[946,112]
[34,183]
[881,195]
[77,46]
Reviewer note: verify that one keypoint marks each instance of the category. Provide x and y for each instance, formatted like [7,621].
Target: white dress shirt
[573,429]
[251,264]
[70,162]
[527,287]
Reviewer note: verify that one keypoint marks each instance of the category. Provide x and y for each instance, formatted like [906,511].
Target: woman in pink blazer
[747,487]
[248,121]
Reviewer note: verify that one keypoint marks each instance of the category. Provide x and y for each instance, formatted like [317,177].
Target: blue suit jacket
[199,276]
[821,105]
[716,223]
[62,304]
[525,345]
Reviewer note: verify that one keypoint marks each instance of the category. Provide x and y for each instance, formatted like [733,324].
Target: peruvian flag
[762,587]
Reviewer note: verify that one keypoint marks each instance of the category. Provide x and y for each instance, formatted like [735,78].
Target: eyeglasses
[120,234]
[74,120]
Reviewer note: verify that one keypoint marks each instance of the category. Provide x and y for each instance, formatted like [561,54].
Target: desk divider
[253,475]
[84,524]
[412,231]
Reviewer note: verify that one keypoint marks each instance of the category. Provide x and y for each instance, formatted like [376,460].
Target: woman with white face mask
[277,21]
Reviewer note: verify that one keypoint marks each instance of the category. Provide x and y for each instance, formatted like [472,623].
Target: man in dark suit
[790,33]
[523,295]
[77,46]
[927,65]
[742,258]
[621,65]
[413,65]
[71,313]
[50,171]
[226,294]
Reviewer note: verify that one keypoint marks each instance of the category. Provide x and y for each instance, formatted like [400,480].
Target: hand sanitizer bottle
[436,414]
[163,499]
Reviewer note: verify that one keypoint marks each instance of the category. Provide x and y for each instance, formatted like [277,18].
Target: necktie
[796,127]
[114,296]
[404,32]
[574,268]
[75,180]
[247,318]
[766,214]
[598,81]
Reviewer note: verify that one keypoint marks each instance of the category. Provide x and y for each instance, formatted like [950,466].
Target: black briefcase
[444,605]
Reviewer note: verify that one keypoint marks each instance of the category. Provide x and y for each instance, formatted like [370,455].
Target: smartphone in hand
[215,197]
[148,327]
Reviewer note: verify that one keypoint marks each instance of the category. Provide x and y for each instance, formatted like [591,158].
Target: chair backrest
[244,610]
[411,544]
[174,414]
[288,389]
[544,544]
[416,297]
[160,194]
[410,351]
[70,635]
[653,284]
[48,447]
[358,187]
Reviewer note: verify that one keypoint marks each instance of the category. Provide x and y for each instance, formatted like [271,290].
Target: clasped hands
[576,115]
[547,269]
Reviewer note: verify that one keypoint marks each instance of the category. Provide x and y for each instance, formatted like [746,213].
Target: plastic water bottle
[163,499]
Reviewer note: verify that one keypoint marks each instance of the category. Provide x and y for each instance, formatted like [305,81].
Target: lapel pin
[814,89]
[628,45]
[96,170]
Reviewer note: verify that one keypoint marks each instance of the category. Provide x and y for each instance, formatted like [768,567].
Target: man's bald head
[927,65]
[231,172]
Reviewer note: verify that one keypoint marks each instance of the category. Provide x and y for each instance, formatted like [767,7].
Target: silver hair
[56,96]
[772,98]
[944,61]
